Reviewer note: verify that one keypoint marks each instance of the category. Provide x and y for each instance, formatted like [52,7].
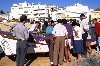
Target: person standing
[44,26]
[22,35]
[67,46]
[59,32]
[97,28]
[88,42]
[84,26]
[78,42]
[49,30]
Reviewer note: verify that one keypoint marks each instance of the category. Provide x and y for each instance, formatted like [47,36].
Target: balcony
[42,15]
[42,11]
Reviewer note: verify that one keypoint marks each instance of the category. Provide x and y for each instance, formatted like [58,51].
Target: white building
[71,12]
[43,11]
[95,14]
[40,11]
[32,11]
[5,16]
[58,14]
[76,10]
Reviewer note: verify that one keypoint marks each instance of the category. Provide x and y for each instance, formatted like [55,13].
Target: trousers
[84,37]
[98,44]
[21,50]
[59,50]
[50,45]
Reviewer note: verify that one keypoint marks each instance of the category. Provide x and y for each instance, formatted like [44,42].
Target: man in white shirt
[59,32]
[84,26]
[35,27]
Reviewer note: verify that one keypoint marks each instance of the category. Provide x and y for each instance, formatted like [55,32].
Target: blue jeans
[98,44]
[21,50]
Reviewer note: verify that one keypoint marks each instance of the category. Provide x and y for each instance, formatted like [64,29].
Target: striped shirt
[21,32]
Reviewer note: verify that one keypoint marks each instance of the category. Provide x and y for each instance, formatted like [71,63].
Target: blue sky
[6,4]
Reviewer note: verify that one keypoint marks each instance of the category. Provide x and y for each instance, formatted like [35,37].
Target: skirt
[78,46]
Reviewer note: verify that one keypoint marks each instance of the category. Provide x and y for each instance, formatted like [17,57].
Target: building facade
[32,11]
[95,14]
[73,12]
[51,11]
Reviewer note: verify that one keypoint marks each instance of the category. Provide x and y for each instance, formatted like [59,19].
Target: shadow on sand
[2,55]
[29,57]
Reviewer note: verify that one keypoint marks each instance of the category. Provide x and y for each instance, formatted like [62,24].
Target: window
[12,8]
[15,6]
[35,14]
[35,10]
[42,9]
[67,15]
[27,7]
[20,8]
[25,11]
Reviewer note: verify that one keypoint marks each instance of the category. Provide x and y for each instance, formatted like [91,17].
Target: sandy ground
[7,26]
[35,60]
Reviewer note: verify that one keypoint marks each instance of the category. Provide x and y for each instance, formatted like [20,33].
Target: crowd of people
[62,35]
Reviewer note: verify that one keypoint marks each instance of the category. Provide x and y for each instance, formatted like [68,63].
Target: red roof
[98,9]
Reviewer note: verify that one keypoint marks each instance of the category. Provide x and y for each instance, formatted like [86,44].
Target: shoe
[60,64]
[99,52]
[55,65]
[52,65]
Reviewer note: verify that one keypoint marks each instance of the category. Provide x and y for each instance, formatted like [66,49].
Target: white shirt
[4,21]
[84,25]
[32,27]
[59,30]
[77,28]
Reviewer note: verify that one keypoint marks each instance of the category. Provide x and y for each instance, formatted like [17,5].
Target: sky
[5,5]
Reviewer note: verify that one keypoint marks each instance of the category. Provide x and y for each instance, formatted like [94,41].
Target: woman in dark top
[44,26]
[67,46]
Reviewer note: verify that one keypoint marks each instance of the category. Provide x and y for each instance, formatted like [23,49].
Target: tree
[2,12]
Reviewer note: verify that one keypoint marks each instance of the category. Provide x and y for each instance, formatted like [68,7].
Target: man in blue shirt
[49,30]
